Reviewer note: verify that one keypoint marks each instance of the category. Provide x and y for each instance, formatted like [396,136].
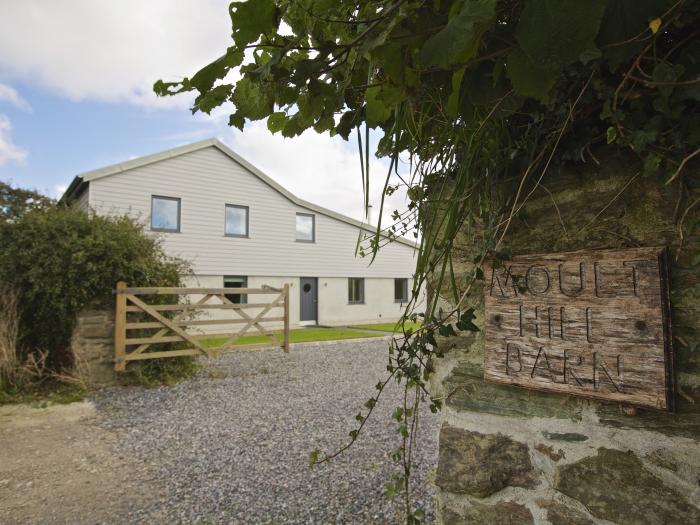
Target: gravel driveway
[232,445]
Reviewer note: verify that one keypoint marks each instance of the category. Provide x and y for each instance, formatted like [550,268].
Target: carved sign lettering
[588,323]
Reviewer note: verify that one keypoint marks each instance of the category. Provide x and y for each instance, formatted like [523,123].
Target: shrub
[61,260]
[16,202]
[9,327]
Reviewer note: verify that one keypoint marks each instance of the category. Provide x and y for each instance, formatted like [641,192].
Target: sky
[76,94]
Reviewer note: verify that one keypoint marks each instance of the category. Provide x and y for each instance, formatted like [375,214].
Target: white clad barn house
[239,228]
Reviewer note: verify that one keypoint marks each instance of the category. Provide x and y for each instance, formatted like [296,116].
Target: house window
[231,281]
[401,290]
[356,290]
[306,227]
[165,214]
[236,222]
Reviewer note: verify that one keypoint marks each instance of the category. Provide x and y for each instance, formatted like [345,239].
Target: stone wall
[510,455]
[93,346]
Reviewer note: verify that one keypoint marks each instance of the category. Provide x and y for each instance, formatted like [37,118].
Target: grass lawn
[300,335]
[387,327]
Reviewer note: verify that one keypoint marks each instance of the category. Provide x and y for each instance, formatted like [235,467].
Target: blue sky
[75,95]
[63,138]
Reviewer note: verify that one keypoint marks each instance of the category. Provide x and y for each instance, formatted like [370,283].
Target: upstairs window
[165,214]
[231,281]
[236,221]
[400,290]
[306,227]
[356,290]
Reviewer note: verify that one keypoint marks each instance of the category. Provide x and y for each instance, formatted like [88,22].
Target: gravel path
[232,445]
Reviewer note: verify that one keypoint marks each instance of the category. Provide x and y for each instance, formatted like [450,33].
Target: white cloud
[317,168]
[9,152]
[9,94]
[110,51]
[58,190]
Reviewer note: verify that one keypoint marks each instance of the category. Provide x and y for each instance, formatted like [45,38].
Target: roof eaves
[147,159]
[195,146]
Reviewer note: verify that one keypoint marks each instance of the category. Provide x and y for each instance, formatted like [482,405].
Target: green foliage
[459,40]
[377,62]
[158,372]
[15,202]
[61,260]
[41,394]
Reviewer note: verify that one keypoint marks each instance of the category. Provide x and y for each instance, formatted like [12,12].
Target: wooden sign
[588,323]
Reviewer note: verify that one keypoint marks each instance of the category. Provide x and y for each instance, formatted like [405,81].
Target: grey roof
[79,182]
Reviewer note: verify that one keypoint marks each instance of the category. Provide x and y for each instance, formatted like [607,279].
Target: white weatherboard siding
[206,180]
[333,307]
[378,307]
[82,202]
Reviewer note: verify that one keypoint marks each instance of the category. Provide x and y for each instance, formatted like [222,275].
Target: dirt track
[58,467]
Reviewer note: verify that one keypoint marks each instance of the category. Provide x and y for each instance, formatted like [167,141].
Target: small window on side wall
[165,214]
[237,281]
[236,221]
[400,290]
[356,290]
[306,227]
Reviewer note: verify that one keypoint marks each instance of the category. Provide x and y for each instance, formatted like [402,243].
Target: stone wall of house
[93,346]
[517,456]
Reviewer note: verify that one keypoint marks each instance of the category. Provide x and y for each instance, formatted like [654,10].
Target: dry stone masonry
[93,346]
[511,453]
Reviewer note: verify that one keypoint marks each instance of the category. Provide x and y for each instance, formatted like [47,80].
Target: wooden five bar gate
[138,324]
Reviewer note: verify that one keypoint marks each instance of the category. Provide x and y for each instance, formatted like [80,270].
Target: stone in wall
[481,465]
[502,513]
[615,486]
[560,514]
[93,347]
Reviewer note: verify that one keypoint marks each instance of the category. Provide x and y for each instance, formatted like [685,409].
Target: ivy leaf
[346,124]
[276,121]
[459,39]
[453,100]
[528,79]
[654,25]
[253,18]
[204,79]
[236,120]
[431,340]
[466,321]
[447,330]
[250,100]
[554,33]
[212,98]
[293,127]
[696,260]
[377,110]
[611,134]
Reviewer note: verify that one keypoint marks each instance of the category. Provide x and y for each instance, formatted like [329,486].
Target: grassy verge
[301,335]
[52,392]
[159,372]
[387,327]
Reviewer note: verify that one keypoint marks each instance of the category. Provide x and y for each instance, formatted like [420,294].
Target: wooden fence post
[285,345]
[120,329]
